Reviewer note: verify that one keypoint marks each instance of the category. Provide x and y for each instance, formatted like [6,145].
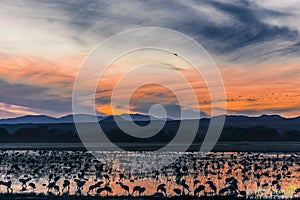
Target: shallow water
[148,170]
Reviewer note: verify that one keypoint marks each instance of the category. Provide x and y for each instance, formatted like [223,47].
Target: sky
[255,44]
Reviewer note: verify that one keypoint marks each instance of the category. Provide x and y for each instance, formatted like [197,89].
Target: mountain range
[44,119]
[276,122]
[45,129]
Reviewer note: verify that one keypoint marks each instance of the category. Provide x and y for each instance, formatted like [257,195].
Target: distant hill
[43,119]
[81,117]
[132,117]
[30,119]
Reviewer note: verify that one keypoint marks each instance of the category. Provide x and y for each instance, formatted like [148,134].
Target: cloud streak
[33,99]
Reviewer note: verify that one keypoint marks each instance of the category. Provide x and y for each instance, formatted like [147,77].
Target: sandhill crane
[32,185]
[243,193]
[80,185]
[56,188]
[297,191]
[107,178]
[209,182]
[24,183]
[108,189]
[199,189]
[100,190]
[66,185]
[52,185]
[56,179]
[91,188]
[124,187]
[135,189]
[185,187]
[212,186]
[141,190]
[121,176]
[274,182]
[195,182]
[8,186]
[222,191]
[161,187]
[265,185]
[177,191]
[99,183]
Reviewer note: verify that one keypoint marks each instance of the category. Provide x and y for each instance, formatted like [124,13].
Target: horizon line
[204,117]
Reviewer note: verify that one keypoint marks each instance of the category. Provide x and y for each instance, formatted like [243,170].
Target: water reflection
[77,172]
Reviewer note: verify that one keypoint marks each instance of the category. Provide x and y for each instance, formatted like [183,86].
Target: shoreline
[284,147]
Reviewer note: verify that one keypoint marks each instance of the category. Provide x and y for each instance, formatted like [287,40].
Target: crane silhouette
[24,183]
[185,187]
[177,191]
[56,179]
[195,182]
[32,185]
[7,185]
[66,185]
[80,185]
[138,189]
[52,186]
[108,189]
[162,188]
[297,191]
[212,186]
[222,191]
[124,187]
[99,191]
[91,188]
[107,178]
[199,189]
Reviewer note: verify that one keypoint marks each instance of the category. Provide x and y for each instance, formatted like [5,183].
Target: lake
[252,173]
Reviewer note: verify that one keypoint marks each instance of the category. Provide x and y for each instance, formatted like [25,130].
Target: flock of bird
[79,173]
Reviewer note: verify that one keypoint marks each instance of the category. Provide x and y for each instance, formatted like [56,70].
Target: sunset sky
[255,44]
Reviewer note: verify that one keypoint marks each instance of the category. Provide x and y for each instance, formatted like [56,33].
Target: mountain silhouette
[44,119]
[45,129]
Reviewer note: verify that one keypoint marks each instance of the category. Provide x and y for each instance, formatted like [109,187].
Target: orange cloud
[256,90]
[264,88]
[58,73]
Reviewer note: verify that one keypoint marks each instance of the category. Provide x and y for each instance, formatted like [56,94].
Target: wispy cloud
[234,31]
[32,98]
